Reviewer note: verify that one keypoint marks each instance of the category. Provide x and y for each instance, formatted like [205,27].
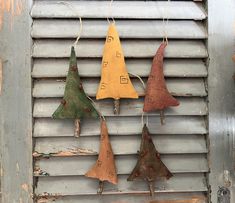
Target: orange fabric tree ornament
[104,168]
[157,96]
[115,82]
[149,165]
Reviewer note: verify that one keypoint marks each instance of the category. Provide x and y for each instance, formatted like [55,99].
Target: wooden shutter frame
[16,108]
[16,102]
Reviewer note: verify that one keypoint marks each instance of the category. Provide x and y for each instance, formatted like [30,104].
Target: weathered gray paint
[55,48]
[81,185]
[15,108]
[120,9]
[123,198]
[44,28]
[47,127]
[221,94]
[166,144]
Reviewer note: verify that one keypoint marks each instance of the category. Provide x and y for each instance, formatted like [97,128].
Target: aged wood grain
[16,103]
[191,200]
[13,8]
[1,76]
[124,198]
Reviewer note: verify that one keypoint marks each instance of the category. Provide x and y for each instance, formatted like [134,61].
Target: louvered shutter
[60,159]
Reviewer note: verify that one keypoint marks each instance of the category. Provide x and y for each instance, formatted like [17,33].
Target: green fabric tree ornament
[75,104]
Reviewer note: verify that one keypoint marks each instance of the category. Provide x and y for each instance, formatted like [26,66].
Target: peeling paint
[40,172]
[191,200]
[17,167]
[1,75]
[1,172]
[69,153]
[46,197]
[25,187]
[12,7]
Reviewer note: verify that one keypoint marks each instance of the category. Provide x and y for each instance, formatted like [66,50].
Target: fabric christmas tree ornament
[149,166]
[104,168]
[75,104]
[115,82]
[157,96]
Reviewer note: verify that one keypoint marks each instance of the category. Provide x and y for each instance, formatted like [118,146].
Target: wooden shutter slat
[139,198]
[54,28]
[129,107]
[177,87]
[62,166]
[80,185]
[120,9]
[132,48]
[44,68]
[46,127]
[121,144]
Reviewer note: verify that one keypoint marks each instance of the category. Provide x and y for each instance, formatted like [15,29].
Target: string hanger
[142,119]
[110,13]
[140,79]
[165,24]
[76,42]
[94,105]
[80,21]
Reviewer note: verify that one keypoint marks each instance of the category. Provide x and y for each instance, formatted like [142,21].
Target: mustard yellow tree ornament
[115,82]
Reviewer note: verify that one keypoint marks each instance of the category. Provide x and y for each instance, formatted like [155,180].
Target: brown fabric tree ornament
[104,168]
[149,166]
[157,96]
[75,104]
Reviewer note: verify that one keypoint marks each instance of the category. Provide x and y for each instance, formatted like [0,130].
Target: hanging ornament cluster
[115,83]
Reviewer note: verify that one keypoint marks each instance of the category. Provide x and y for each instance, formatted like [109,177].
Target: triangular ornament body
[104,168]
[157,96]
[75,104]
[115,82]
[149,166]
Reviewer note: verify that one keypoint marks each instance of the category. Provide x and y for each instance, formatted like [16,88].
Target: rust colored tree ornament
[75,104]
[149,166]
[157,96]
[104,168]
